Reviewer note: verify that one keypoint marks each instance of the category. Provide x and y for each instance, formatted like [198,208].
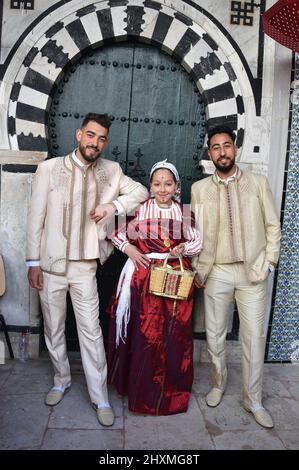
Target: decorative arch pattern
[105,22]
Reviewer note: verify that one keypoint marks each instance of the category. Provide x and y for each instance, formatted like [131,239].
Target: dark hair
[163,168]
[220,130]
[103,119]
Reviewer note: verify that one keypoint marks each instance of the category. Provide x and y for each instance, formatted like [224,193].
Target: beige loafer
[105,415]
[214,397]
[261,416]
[55,395]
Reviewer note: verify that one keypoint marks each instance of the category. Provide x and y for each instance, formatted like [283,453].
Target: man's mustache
[91,147]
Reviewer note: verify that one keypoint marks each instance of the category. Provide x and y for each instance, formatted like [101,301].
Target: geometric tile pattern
[243,12]
[284,337]
[103,23]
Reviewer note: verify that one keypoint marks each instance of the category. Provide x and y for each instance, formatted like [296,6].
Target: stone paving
[26,423]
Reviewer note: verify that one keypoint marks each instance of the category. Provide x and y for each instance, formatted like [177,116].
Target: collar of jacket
[238,176]
[69,162]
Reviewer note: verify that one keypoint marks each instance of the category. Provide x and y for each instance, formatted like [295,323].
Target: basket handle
[178,256]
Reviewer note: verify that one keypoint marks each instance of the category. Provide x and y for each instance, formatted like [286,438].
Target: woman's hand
[177,250]
[137,257]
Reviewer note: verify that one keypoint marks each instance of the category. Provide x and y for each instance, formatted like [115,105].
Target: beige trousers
[228,282]
[80,281]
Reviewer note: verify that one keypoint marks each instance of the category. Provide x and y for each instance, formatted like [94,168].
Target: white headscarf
[164,164]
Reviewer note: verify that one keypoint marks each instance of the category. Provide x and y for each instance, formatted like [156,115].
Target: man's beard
[225,168]
[89,159]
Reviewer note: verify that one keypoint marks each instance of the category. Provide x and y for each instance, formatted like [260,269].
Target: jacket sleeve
[120,238]
[197,210]
[193,243]
[131,193]
[37,212]
[272,223]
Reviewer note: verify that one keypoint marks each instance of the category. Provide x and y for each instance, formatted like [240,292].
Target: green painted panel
[167,116]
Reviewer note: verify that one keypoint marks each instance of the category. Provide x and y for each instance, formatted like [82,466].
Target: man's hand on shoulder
[103,211]
[35,277]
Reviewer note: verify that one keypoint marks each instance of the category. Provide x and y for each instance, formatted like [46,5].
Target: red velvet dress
[154,367]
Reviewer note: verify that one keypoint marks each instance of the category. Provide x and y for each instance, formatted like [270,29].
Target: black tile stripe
[206,66]
[77,32]
[161,28]
[118,3]
[224,91]
[19,168]
[213,45]
[11,124]
[30,113]
[153,5]
[240,137]
[85,10]
[54,29]
[240,104]
[183,19]
[38,82]
[134,20]
[230,121]
[105,22]
[55,54]
[230,71]
[188,40]
[15,91]
[28,142]
[30,56]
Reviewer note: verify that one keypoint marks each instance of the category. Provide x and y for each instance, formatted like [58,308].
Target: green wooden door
[157,113]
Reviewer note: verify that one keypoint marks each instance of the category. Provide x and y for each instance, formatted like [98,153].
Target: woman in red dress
[150,351]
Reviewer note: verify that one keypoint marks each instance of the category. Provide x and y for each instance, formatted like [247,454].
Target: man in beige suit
[72,201]
[241,236]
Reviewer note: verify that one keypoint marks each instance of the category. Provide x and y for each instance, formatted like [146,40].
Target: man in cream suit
[241,236]
[73,198]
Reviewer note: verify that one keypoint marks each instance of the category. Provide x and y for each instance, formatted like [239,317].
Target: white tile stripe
[118,15]
[33,97]
[29,127]
[150,19]
[220,108]
[92,28]
[41,65]
[63,39]
[174,34]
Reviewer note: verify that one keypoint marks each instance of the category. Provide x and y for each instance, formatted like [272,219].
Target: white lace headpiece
[169,166]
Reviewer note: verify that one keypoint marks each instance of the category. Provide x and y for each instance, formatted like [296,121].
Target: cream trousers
[80,281]
[226,283]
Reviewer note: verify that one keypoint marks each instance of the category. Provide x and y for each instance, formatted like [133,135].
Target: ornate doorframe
[194,40]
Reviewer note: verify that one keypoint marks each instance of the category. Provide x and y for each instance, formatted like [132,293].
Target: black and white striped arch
[119,20]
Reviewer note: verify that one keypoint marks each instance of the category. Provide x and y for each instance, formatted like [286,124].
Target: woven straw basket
[168,282]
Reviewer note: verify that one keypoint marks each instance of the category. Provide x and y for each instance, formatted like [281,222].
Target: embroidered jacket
[260,227]
[59,226]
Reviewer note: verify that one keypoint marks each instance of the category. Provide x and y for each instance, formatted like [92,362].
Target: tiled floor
[26,423]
